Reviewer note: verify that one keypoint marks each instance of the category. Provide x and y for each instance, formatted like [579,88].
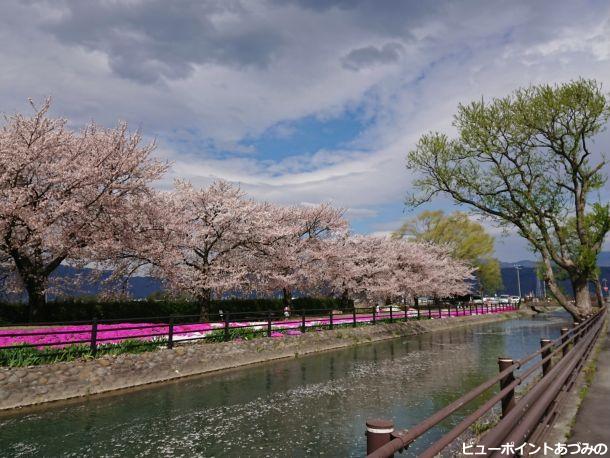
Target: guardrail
[522,420]
[89,336]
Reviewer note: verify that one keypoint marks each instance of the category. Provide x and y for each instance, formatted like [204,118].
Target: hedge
[86,309]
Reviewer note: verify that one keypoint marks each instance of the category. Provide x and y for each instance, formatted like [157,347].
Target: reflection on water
[314,405]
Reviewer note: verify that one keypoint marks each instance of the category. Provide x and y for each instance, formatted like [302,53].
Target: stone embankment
[20,387]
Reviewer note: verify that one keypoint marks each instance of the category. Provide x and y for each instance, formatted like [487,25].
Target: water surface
[310,406]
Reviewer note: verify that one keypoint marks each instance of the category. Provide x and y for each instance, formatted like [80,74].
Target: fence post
[508,401]
[170,333]
[354,317]
[429,311]
[564,338]
[418,312]
[406,312]
[226,334]
[330,316]
[268,323]
[576,337]
[546,367]
[374,318]
[303,321]
[391,316]
[94,337]
[440,310]
[378,433]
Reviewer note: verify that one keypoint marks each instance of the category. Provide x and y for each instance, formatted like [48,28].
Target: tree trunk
[345,299]
[36,301]
[287,297]
[582,297]
[205,300]
[598,291]
[35,286]
[558,295]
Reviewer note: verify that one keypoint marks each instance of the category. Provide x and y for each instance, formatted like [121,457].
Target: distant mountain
[603,260]
[530,283]
[137,287]
[511,265]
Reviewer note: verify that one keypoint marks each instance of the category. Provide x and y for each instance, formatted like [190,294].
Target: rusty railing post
[330,319]
[269,323]
[564,338]
[391,316]
[227,336]
[378,433]
[576,337]
[546,366]
[374,317]
[170,332]
[354,317]
[406,312]
[508,401]
[94,337]
[303,321]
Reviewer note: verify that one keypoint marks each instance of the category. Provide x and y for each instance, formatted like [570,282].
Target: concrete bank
[20,387]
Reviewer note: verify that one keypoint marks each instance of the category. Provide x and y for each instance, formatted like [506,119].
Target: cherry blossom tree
[355,266]
[60,188]
[428,269]
[378,268]
[209,233]
[135,244]
[290,251]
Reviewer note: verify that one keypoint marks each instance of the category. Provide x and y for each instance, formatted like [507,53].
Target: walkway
[593,418]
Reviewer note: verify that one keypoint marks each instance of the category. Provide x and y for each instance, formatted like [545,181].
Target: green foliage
[466,238]
[526,160]
[489,275]
[31,356]
[218,335]
[87,308]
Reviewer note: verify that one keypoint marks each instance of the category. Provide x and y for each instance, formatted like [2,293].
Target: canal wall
[20,387]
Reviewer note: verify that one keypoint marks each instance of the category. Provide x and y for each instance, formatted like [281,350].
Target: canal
[309,406]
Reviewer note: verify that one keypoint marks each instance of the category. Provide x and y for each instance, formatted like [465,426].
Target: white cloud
[261,65]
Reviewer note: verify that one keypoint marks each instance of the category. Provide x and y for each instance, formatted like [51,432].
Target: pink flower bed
[60,336]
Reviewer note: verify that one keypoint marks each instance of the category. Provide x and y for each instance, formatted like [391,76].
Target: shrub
[84,309]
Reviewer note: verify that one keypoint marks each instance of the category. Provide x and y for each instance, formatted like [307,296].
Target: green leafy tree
[467,240]
[526,161]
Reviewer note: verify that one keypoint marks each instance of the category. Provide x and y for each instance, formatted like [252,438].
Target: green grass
[218,335]
[31,356]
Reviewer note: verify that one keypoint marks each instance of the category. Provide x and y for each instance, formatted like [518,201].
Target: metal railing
[171,330]
[522,420]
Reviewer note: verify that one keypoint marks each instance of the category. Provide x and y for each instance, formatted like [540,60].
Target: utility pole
[544,288]
[518,267]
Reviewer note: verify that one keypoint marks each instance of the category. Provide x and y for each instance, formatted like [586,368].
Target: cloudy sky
[297,100]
